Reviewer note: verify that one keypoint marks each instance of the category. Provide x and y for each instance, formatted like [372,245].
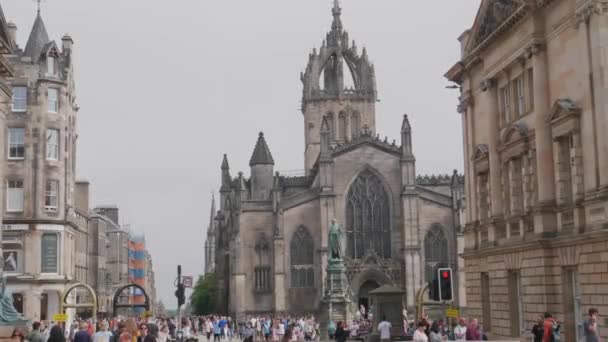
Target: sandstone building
[44,231]
[269,236]
[535,123]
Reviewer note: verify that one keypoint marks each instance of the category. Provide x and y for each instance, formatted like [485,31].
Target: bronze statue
[335,241]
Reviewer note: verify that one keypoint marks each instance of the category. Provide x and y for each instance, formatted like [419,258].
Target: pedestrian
[435,335]
[248,332]
[103,335]
[152,333]
[163,334]
[591,328]
[16,336]
[331,330]
[385,330]
[143,331]
[83,334]
[420,333]
[341,335]
[35,335]
[551,329]
[56,334]
[460,331]
[538,330]
[473,330]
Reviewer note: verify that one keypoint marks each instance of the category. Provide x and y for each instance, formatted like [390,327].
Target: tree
[204,295]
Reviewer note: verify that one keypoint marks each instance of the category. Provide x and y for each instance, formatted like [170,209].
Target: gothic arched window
[368,217]
[262,279]
[355,124]
[332,126]
[342,133]
[302,259]
[435,251]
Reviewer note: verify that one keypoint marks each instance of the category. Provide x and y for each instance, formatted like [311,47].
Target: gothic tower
[338,84]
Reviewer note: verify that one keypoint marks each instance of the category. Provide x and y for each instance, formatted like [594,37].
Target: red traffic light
[445,274]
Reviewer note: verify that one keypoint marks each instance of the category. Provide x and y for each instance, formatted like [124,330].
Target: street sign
[452,313]
[60,317]
[187,281]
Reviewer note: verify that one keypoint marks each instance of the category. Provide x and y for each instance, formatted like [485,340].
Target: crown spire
[336,12]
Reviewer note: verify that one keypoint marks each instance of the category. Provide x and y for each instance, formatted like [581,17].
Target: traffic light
[445,284]
[180,294]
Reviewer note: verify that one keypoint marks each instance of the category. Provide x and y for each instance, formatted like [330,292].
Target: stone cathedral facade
[267,242]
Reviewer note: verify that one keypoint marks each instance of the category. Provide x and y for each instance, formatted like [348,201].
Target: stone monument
[337,300]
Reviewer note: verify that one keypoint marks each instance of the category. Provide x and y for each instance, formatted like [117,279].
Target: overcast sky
[166,87]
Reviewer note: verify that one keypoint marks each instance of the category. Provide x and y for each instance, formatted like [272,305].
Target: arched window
[355,124]
[435,251]
[368,217]
[332,126]
[342,134]
[302,259]
[262,274]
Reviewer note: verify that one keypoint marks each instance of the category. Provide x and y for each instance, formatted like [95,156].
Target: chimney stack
[81,196]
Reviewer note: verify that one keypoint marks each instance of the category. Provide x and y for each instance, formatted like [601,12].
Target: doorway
[364,301]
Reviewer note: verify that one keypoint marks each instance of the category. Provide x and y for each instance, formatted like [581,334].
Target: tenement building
[535,121]
[271,233]
[44,232]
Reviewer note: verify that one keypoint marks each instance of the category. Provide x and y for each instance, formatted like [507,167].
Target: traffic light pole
[179,318]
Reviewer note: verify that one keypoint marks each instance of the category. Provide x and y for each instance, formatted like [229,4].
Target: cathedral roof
[261,153]
[366,137]
[37,40]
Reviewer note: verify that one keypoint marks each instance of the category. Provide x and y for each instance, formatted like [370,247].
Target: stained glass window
[302,259]
[368,217]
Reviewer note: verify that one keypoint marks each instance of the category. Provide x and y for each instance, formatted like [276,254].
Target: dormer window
[50,65]
[51,60]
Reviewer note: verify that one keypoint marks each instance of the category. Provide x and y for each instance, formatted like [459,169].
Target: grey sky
[166,87]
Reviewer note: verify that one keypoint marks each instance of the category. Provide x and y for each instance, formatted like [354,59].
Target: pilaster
[544,217]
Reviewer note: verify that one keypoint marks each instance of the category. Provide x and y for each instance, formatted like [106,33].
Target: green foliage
[204,295]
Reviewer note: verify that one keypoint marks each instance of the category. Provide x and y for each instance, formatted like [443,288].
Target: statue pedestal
[336,304]
[6,328]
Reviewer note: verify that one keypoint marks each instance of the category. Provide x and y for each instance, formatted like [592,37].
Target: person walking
[35,335]
[538,330]
[83,334]
[551,329]
[384,328]
[591,328]
[331,330]
[56,334]
[460,331]
[341,335]
[420,333]
[435,335]
[103,335]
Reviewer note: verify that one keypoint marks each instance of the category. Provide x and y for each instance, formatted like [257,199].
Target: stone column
[544,218]
[491,91]
[589,114]
[598,39]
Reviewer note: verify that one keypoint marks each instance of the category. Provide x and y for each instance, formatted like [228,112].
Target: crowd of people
[277,329]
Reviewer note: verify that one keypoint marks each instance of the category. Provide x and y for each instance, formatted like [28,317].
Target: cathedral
[267,241]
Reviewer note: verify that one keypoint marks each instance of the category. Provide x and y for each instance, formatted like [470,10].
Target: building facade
[270,240]
[117,252]
[535,117]
[44,232]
